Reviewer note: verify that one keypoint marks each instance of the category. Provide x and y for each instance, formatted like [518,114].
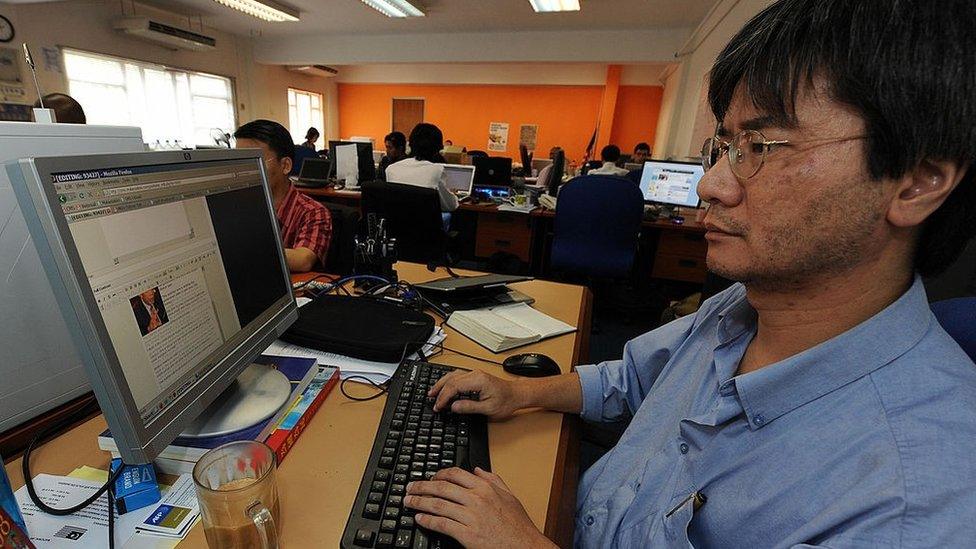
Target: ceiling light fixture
[267,10]
[555,5]
[394,8]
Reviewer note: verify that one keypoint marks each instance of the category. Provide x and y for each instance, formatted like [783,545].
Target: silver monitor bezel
[465,167]
[137,443]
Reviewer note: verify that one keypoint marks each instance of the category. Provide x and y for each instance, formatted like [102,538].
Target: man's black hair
[66,109]
[272,134]
[642,146]
[398,139]
[906,66]
[426,142]
[610,153]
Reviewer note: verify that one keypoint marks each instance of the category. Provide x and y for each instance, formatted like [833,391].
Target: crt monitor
[169,272]
[492,171]
[671,183]
[459,179]
[364,154]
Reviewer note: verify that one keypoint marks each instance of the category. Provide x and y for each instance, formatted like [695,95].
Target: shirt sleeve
[615,389]
[315,233]
[449,201]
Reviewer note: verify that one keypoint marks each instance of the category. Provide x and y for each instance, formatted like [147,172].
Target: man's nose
[720,185]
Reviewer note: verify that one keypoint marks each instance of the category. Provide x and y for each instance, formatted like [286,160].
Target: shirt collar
[290,196]
[780,388]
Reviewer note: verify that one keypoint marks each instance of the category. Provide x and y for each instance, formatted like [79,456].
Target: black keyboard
[412,443]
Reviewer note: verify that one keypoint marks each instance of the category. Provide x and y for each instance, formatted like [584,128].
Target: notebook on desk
[506,327]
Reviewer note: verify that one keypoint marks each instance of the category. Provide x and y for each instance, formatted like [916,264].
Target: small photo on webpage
[149,310]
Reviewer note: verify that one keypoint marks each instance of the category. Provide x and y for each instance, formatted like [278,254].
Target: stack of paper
[507,326]
[377,372]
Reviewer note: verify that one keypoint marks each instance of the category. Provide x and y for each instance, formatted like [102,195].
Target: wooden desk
[536,453]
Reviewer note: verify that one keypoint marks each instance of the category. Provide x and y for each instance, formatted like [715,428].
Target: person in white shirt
[610,155]
[421,169]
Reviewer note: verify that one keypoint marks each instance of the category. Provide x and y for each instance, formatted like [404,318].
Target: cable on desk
[380,387]
[301,285]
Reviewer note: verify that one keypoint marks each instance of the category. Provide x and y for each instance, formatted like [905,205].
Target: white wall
[557,74]
[677,138]
[260,90]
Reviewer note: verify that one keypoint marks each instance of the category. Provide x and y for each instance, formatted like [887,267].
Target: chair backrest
[342,249]
[635,176]
[472,154]
[597,225]
[301,153]
[413,217]
[958,317]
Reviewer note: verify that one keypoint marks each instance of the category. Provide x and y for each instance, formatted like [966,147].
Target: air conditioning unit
[167,35]
[314,70]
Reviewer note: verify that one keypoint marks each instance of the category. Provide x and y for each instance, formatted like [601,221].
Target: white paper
[347,165]
[534,320]
[377,372]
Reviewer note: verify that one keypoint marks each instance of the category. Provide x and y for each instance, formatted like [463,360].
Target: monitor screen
[459,178]
[492,171]
[181,270]
[672,183]
[315,169]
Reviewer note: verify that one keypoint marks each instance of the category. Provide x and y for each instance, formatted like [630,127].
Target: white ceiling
[352,17]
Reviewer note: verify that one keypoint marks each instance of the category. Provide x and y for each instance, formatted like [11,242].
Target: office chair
[301,153]
[958,318]
[413,217]
[342,249]
[598,220]
[635,176]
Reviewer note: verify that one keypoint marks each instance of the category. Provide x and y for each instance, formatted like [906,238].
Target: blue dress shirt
[865,440]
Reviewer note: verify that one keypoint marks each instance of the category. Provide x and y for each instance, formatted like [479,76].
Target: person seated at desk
[423,167]
[609,155]
[305,225]
[818,402]
[642,153]
[311,136]
[396,150]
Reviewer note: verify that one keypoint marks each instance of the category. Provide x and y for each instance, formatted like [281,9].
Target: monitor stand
[255,395]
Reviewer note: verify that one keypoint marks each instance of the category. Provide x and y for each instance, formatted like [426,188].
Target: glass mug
[238,496]
[518,200]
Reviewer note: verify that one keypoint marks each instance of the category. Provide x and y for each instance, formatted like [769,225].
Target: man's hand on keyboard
[497,398]
[478,510]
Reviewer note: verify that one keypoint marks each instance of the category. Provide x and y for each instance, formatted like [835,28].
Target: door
[407,113]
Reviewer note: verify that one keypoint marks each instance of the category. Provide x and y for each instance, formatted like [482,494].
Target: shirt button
[758,419]
[683,447]
[589,520]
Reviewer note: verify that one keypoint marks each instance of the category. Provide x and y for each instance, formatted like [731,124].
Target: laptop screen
[459,178]
[315,169]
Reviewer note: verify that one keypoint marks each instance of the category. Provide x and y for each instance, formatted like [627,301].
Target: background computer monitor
[492,171]
[671,183]
[364,153]
[36,378]
[169,273]
[315,169]
[459,178]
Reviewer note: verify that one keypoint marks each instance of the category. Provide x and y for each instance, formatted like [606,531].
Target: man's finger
[444,526]
[458,476]
[471,407]
[469,381]
[440,488]
[439,507]
[440,383]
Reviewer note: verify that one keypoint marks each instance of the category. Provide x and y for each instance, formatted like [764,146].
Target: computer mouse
[531,365]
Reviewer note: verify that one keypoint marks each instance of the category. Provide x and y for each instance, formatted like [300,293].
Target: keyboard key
[406,522]
[384,541]
[402,468]
[420,540]
[403,538]
[391,513]
[378,486]
[395,501]
[386,462]
[398,489]
[382,475]
[374,497]
[388,526]
[364,537]
[416,475]
[372,511]
[389,452]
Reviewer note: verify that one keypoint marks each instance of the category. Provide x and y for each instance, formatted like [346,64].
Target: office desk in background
[676,251]
[535,453]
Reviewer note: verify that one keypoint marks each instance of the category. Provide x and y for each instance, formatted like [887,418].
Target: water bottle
[8,505]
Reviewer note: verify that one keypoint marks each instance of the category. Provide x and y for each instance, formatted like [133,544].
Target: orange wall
[635,118]
[566,115]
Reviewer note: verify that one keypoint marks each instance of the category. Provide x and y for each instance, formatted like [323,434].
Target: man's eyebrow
[761,122]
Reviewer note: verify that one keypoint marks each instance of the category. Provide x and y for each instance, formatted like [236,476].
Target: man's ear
[921,191]
[286,164]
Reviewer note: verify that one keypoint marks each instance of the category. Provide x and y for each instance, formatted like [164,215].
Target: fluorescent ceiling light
[555,5]
[394,8]
[267,10]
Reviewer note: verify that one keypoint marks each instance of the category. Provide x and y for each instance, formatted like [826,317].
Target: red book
[297,418]
[11,535]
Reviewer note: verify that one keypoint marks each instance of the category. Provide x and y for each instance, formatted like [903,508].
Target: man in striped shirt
[305,225]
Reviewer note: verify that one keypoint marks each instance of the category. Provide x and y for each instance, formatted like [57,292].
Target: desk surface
[318,481]
[328,193]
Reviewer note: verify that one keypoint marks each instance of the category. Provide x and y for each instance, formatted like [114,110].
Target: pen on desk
[697,498]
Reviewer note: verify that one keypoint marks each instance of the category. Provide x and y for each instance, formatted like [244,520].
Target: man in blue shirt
[818,402]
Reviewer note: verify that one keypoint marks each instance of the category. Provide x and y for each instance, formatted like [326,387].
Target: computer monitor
[671,183]
[632,166]
[492,171]
[459,179]
[36,378]
[315,170]
[169,272]
[364,154]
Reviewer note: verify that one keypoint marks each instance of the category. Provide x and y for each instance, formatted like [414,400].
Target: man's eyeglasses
[747,151]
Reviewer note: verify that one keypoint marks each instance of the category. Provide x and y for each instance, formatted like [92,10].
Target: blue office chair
[598,220]
[301,153]
[635,176]
[958,318]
